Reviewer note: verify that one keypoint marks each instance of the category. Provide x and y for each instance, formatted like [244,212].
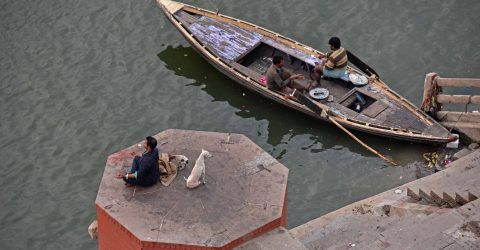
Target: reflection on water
[186,62]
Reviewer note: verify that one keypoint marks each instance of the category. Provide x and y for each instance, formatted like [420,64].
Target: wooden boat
[243,52]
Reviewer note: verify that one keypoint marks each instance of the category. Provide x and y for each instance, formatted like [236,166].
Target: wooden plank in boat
[385,116]
[403,120]
[350,114]
[225,40]
[375,109]
[365,91]
[417,125]
[436,129]
[343,111]
[346,98]
[173,6]
[308,58]
[363,118]
[261,65]
[185,18]
[246,71]
[335,89]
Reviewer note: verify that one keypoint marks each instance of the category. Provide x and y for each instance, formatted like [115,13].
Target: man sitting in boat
[334,62]
[280,79]
[144,171]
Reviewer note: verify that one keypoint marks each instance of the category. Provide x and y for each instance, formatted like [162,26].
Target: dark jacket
[148,172]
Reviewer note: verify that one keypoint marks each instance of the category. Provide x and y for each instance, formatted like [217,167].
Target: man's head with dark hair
[151,142]
[277,60]
[334,42]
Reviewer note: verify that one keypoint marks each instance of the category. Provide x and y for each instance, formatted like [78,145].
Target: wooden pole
[323,110]
[361,142]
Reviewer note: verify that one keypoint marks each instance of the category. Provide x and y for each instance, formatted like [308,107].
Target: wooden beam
[171,6]
[458,82]
[459,99]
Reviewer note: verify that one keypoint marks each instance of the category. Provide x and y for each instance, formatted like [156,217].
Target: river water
[80,80]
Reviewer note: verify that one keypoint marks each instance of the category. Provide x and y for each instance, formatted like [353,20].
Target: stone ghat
[245,197]
[407,217]
[243,205]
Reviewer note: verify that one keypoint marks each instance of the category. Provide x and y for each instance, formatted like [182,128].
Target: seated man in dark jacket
[145,171]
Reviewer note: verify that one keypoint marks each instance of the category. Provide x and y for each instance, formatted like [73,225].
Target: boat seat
[254,75]
[261,65]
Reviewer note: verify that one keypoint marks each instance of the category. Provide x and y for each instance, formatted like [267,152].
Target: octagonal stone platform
[245,196]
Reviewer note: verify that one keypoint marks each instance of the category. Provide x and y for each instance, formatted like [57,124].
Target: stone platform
[245,196]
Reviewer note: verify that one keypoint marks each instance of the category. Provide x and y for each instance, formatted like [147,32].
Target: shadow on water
[186,62]
[282,121]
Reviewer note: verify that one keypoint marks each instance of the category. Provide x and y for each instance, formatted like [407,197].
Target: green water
[80,80]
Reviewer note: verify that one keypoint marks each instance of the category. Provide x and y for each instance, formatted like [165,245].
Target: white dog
[181,160]
[198,171]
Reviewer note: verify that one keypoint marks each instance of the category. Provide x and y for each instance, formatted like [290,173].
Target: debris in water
[431,159]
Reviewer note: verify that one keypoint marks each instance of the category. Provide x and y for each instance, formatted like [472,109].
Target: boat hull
[249,83]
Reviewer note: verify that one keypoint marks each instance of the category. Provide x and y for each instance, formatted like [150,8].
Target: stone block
[462,153]
[473,146]
[278,239]
[93,230]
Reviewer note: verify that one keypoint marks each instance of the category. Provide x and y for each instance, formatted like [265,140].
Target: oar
[361,142]
[360,64]
[323,111]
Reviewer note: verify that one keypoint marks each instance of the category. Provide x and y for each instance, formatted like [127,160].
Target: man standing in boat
[334,62]
[280,79]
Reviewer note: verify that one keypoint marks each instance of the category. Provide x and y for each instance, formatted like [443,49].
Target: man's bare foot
[128,185]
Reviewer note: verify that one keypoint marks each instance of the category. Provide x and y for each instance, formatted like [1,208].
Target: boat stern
[169,6]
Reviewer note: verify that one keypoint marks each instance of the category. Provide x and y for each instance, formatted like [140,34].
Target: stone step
[401,208]
[449,116]
[278,239]
[460,125]
[449,195]
[414,231]
[440,198]
[435,231]
[451,187]
[471,130]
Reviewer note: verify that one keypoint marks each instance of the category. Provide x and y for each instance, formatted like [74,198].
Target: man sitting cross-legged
[144,171]
[280,79]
